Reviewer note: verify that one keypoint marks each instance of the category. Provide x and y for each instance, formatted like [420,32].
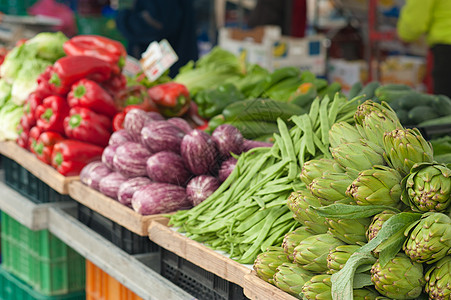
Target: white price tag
[158,58]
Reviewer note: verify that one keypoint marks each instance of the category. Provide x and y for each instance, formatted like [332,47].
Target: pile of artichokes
[374,162]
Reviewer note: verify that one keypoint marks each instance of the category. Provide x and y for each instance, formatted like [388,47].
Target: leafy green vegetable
[217,67]
[25,82]
[10,115]
[49,45]
[10,68]
[211,102]
[5,92]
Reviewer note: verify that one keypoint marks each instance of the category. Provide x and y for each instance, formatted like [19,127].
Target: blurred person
[154,20]
[433,19]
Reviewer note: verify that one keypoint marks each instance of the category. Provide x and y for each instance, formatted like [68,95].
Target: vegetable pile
[19,71]
[158,166]
[374,218]
[248,212]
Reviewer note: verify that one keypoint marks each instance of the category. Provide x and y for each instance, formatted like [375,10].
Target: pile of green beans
[248,213]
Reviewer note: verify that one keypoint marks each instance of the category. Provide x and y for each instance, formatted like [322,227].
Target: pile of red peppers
[68,119]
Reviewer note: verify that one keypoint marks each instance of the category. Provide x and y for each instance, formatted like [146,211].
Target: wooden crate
[197,253]
[258,289]
[112,209]
[44,172]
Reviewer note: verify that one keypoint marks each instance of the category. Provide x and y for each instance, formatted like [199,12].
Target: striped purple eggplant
[168,167]
[162,136]
[130,159]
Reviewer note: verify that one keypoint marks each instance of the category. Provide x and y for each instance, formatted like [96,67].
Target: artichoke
[428,187]
[400,278]
[350,231]
[380,185]
[291,278]
[374,120]
[266,263]
[377,222]
[292,239]
[338,257]
[299,203]
[319,287]
[404,148]
[343,132]
[358,156]
[312,252]
[331,188]
[316,168]
[439,279]
[429,239]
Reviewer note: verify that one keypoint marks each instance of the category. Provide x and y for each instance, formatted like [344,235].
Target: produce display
[374,218]
[248,212]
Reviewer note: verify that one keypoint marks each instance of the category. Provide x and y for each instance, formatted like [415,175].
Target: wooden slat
[112,209]
[36,167]
[258,289]
[197,253]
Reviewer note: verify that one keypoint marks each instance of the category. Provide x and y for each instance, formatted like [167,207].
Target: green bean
[250,222]
[293,168]
[308,134]
[324,121]
[314,109]
[334,108]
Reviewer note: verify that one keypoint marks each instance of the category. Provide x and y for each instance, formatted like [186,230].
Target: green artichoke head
[349,231]
[377,222]
[312,252]
[366,294]
[292,239]
[406,147]
[380,185]
[427,187]
[319,287]
[299,203]
[400,278]
[291,278]
[429,239]
[343,132]
[338,257]
[266,263]
[358,156]
[438,279]
[331,188]
[383,111]
[316,168]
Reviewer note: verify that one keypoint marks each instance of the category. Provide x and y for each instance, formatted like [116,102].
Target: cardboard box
[347,72]
[267,47]
[407,70]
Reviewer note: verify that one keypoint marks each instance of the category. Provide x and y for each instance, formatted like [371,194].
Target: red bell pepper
[115,84]
[22,139]
[69,157]
[43,146]
[118,120]
[28,119]
[98,46]
[43,90]
[33,136]
[85,125]
[172,98]
[89,94]
[135,95]
[70,69]
[51,113]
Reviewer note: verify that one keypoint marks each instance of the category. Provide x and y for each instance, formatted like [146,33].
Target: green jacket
[430,17]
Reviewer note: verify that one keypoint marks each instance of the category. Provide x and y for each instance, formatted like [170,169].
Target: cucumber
[442,105]
[403,116]
[255,129]
[389,92]
[420,114]
[261,110]
[413,99]
[304,100]
[355,89]
[368,90]
[437,121]
[281,91]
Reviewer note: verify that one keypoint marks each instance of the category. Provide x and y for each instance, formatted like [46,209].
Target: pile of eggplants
[156,166]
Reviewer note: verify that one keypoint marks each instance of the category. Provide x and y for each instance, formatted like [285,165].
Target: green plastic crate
[41,259]
[12,288]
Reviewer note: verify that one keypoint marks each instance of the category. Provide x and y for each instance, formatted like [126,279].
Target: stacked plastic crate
[36,264]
